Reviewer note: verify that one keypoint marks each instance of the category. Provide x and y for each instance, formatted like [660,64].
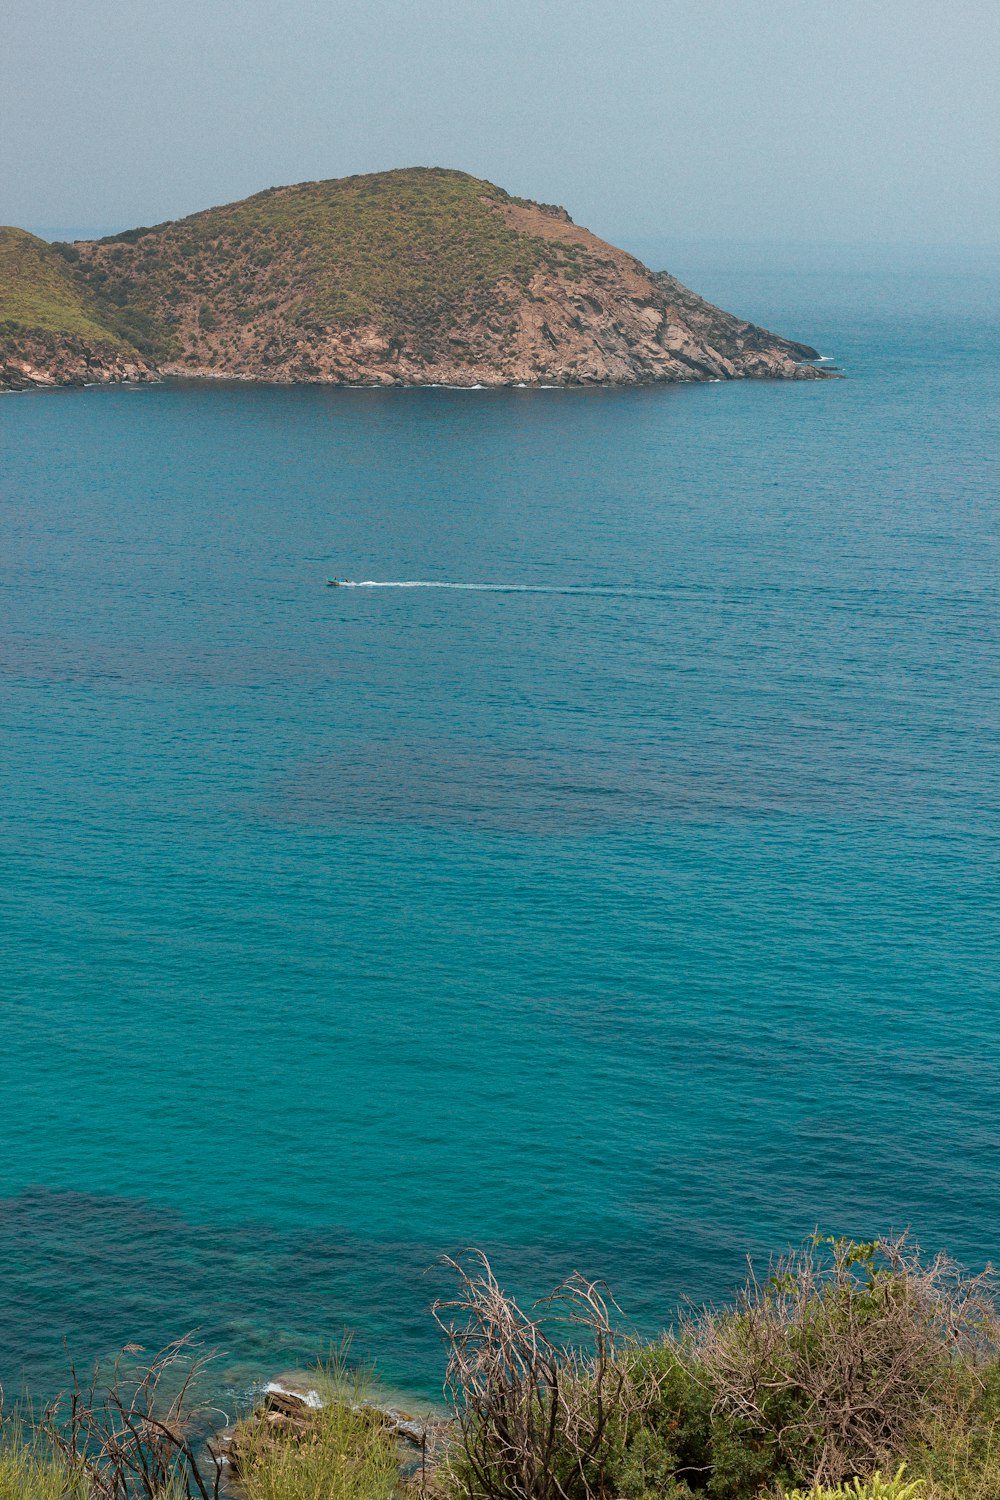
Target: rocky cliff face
[31,359]
[407,278]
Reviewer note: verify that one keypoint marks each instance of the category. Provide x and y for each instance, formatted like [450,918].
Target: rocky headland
[53,328]
[414,277]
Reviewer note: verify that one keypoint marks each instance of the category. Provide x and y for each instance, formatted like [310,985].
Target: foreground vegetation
[846,1372]
[341,1451]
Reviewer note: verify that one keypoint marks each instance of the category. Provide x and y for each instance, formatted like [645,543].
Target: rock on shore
[37,358]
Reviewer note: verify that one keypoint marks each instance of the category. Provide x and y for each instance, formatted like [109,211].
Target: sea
[613,888]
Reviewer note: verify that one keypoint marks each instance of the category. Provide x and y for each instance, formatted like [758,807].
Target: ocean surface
[629,918]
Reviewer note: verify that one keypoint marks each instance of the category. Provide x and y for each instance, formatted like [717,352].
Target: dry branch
[132,1439]
[533,1414]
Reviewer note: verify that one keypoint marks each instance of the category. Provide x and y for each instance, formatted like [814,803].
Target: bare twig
[534,1415]
[131,1440]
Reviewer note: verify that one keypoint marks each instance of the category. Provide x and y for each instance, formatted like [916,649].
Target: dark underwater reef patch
[91,1272]
[99,1271]
[569,789]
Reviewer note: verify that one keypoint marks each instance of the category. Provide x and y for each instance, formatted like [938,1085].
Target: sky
[826,121]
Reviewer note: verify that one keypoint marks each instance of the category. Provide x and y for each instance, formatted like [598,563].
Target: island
[421,276]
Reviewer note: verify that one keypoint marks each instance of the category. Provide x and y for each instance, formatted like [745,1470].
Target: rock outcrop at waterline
[37,358]
[414,277]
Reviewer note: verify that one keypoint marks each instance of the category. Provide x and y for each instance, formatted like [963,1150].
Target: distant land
[414,277]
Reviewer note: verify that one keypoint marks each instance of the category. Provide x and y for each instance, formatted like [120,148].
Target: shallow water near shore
[627,921]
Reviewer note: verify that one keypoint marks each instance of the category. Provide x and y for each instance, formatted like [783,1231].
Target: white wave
[309,1398]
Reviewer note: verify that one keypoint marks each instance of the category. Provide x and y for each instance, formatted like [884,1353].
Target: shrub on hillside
[844,1360]
[535,1416]
[845,1355]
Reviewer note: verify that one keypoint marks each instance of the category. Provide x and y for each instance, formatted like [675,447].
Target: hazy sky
[843,120]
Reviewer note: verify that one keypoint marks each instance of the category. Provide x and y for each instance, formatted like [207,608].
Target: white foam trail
[480,588]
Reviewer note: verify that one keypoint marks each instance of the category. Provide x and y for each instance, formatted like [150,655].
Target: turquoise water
[627,923]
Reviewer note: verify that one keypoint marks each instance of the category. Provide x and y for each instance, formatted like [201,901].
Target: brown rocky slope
[414,277]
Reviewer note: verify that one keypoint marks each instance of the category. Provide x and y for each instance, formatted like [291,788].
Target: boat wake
[476,588]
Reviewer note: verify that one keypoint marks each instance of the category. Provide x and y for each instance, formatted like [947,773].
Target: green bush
[682,1443]
[875,1488]
[845,1357]
[844,1360]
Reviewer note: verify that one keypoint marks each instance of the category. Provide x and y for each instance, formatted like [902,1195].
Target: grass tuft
[873,1488]
[33,1468]
[343,1451]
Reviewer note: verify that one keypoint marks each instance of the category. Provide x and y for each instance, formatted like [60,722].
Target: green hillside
[39,291]
[404,249]
[394,241]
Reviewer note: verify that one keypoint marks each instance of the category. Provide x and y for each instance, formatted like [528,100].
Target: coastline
[763,1398]
[25,382]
